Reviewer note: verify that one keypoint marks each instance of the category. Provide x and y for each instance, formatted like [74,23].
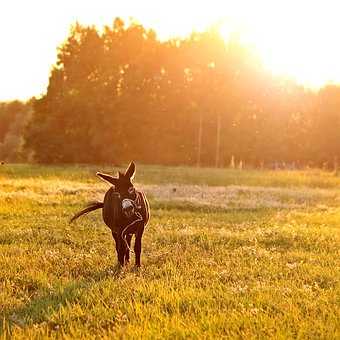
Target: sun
[294,39]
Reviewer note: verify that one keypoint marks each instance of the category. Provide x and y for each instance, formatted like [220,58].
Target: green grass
[151,174]
[234,254]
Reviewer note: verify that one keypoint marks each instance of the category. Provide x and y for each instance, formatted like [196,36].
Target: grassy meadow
[227,254]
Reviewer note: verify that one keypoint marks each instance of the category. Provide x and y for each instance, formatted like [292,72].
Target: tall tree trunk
[199,149]
[218,141]
[335,164]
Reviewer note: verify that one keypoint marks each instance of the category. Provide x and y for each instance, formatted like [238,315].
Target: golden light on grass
[295,39]
[209,271]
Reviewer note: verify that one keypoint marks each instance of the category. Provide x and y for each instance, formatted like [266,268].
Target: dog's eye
[131,190]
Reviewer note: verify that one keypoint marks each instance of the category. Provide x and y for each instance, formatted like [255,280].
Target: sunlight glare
[296,39]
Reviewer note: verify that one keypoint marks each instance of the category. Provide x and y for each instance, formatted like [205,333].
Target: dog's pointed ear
[130,171]
[107,178]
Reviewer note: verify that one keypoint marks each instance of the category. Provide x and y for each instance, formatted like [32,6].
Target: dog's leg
[127,252]
[138,243]
[120,248]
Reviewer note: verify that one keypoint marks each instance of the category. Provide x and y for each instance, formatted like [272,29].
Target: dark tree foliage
[14,117]
[122,94]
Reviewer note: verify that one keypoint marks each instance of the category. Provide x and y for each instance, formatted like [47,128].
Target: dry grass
[232,261]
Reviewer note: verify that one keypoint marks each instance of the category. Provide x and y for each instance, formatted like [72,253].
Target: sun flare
[295,39]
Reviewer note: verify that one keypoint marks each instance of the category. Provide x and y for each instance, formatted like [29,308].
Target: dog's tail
[90,207]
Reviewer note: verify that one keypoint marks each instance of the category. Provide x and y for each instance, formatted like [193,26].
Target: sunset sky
[296,39]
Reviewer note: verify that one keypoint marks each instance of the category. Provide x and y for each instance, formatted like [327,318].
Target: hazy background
[200,83]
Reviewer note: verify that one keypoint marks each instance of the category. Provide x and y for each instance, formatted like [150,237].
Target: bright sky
[294,38]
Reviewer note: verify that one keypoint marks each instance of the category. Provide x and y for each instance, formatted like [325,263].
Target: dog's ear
[130,171]
[107,178]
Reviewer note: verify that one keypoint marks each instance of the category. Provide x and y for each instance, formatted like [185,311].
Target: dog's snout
[128,207]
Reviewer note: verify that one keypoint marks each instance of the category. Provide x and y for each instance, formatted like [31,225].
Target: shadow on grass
[39,309]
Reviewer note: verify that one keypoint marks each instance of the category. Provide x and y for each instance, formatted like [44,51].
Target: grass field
[233,254]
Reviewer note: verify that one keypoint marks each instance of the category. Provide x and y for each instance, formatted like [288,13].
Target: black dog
[125,211]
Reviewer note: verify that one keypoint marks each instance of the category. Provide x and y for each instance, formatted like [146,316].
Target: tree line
[14,117]
[121,94]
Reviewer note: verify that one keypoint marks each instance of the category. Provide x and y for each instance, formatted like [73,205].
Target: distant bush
[14,117]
